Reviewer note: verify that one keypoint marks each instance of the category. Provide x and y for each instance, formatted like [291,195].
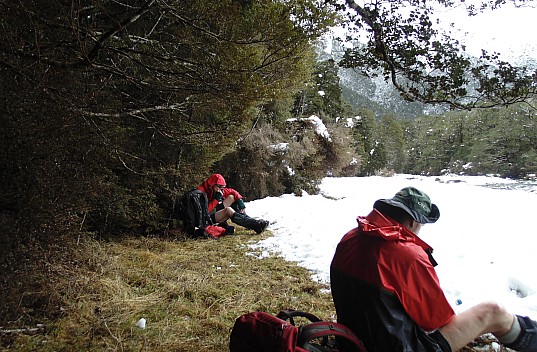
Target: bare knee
[494,317]
[486,317]
[224,214]
[230,199]
[229,212]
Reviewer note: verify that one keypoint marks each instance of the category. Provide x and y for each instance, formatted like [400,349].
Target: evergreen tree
[322,95]
[505,146]
[393,139]
[425,141]
[495,141]
[368,143]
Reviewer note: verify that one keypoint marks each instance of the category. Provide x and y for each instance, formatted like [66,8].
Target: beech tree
[406,47]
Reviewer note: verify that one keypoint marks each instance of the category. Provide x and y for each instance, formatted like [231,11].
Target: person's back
[386,290]
[377,267]
[383,278]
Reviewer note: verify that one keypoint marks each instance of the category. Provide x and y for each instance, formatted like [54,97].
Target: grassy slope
[190,292]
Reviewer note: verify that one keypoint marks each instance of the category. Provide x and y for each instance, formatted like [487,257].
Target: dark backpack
[195,214]
[262,332]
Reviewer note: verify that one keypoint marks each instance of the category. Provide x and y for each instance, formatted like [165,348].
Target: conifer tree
[393,140]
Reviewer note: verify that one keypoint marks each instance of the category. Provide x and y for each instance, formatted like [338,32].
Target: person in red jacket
[386,290]
[226,203]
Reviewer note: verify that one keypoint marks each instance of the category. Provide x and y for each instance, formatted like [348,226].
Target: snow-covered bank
[484,241]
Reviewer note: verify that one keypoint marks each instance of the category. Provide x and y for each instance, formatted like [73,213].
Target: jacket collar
[377,225]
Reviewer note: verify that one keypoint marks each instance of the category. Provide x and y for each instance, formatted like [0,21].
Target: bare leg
[488,317]
[229,200]
[224,214]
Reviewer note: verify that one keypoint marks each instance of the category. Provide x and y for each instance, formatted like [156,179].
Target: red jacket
[385,287]
[207,187]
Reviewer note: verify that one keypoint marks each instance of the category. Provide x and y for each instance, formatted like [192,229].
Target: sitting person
[226,203]
[386,290]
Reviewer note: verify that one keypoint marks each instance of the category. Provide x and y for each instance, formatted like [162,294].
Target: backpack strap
[289,314]
[323,329]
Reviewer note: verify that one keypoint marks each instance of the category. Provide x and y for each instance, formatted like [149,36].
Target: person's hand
[218,195]
[241,206]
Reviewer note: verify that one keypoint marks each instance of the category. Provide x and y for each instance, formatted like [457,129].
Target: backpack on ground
[195,214]
[263,332]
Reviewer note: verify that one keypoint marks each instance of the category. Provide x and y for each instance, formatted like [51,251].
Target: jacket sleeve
[235,193]
[212,204]
[421,295]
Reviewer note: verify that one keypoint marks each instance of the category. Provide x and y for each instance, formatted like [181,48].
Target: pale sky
[509,31]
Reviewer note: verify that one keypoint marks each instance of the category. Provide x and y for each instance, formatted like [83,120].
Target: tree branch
[136,112]
[92,54]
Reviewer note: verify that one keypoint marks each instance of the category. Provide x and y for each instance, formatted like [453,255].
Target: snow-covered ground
[485,240]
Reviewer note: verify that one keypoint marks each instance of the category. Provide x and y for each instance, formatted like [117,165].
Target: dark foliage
[498,141]
[111,110]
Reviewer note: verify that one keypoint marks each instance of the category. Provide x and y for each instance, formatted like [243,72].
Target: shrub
[269,163]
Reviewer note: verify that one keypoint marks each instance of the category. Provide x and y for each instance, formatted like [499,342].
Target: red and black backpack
[263,332]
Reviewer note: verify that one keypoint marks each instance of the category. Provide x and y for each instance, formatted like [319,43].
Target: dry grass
[189,291]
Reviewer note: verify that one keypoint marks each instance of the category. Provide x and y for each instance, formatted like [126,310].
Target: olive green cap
[416,203]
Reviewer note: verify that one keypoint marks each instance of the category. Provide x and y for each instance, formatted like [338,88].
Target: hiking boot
[250,223]
[261,226]
[230,230]
[527,340]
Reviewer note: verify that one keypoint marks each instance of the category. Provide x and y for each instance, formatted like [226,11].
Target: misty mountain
[377,95]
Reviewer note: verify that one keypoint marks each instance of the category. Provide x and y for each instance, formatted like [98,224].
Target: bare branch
[136,112]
